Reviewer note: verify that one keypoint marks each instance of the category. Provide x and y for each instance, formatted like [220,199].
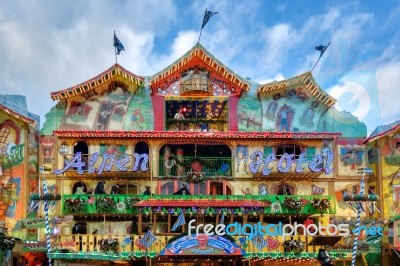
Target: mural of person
[137,118]
[241,157]
[100,187]
[284,117]
[105,111]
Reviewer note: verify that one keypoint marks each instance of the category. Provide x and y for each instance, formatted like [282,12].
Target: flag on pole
[321,48]
[179,222]
[118,45]
[148,239]
[221,221]
[207,17]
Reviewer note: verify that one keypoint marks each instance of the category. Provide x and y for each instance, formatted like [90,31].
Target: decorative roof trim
[304,79]
[97,81]
[382,134]
[17,115]
[200,52]
[194,135]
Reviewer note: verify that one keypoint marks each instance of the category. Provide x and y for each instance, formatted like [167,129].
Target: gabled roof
[198,54]
[305,79]
[383,130]
[18,116]
[90,85]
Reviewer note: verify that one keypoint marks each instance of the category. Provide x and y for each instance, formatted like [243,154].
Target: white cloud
[388,80]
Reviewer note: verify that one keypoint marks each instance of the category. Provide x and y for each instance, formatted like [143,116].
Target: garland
[292,204]
[131,203]
[195,177]
[75,205]
[321,204]
[106,204]
[293,246]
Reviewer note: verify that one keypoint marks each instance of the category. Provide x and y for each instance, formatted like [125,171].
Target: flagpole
[115,50]
[320,56]
[201,30]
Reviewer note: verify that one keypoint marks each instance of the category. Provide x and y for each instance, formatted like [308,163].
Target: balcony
[197,125]
[212,167]
[192,204]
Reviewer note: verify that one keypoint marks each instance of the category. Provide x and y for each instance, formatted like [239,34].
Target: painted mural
[139,115]
[351,158]
[293,109]
[249,111]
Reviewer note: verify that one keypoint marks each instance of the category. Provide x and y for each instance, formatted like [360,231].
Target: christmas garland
[6,242]
[321,204]
[292,204]
[75,205]
[106,204]
[195,177]
[293,246]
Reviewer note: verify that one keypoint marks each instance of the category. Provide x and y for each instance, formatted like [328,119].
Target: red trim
[17,115]
[380,135]
[194,135]
[232,108]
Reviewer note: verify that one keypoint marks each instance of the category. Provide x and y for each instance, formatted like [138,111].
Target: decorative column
[180,170]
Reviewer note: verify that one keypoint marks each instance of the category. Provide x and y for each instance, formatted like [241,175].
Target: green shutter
[268,150]
[310,152]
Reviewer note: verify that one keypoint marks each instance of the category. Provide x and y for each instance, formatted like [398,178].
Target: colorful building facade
[19,172]
[132,156]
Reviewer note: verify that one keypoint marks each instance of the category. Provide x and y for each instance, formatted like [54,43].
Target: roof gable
[306,80]
[198,57]
[86,89]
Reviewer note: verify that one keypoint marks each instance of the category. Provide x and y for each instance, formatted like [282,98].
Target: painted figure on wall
[263,189]
[241,157]
[285,118]
[137,118]
[105,112]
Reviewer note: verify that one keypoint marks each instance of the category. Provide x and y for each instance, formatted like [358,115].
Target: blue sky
[52,45]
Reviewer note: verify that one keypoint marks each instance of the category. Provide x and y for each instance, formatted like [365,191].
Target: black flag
[207,17]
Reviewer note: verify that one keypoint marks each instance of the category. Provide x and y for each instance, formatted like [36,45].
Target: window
[271,109]
[217,188]
[284,190]
[167,188]
[289,149]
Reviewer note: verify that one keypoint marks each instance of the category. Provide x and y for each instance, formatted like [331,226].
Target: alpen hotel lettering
[316,164]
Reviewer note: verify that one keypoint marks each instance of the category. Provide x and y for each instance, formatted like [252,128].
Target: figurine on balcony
[147,191]
[114,189]
[79,190]
[183,191]
[100,187]
[179,116]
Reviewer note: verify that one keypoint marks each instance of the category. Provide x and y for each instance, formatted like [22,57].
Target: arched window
[168,188]
[308,114]
[271,109]
[83,148]
[141,147]
[79,188]
[284,190]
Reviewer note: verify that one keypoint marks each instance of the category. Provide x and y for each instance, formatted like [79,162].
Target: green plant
[106,204]
[74,205]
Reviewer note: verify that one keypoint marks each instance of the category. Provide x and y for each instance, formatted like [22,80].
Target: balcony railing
[88,247]
[210,166]
[231,204]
